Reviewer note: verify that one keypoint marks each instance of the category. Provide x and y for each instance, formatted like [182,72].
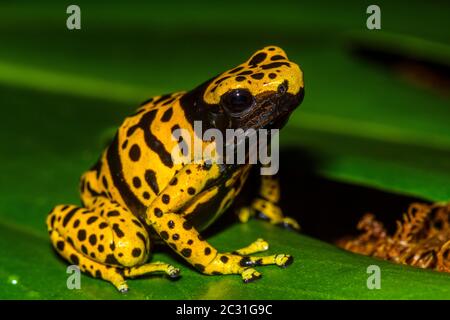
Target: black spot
[101,248]
[271,49]
[52,221]
[173,182]
[272,75]
[110,259]
[171,224]
[146,195]
[164,235]
[105,182]
[137,182]
[168,101]
[82,235]
[167,115]
[112,246]
[188,171]
[191,191]
[186,252]
[150,178]
[240,78]
[245,73]
[117,230]
[98,274]
[274,65]
[163,98]
[136,252]
[165,198]
[70,241]
[103,225]
[135,153]
[257,76]
[190,242]
[236,69]
[176,236]
[258,58]
[124,144]
[93,239]
[277,57]
[199,267]
[69,216]
[224,259]
[158,212]
[187,225]
[91,220]
[221,80]
[76,223]
[74,259]
[84,249]
[60,245]
[200,237]
[207,251]
[92,255]
[217,273]
[142,237]
[137,223]
[113,213]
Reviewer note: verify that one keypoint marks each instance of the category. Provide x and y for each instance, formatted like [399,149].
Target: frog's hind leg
[265,206]
[87,265]
[104,240]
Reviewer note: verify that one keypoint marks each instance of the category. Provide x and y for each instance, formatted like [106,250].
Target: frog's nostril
[283,88]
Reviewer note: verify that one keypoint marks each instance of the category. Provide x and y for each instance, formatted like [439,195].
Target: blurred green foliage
[62,92]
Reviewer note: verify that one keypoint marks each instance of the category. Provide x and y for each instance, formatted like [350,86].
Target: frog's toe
[289,223]
[123,287]
[283,260]
[173,272]
[250,275]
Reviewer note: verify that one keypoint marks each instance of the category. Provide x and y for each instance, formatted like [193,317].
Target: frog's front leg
[265,206]
[164,216]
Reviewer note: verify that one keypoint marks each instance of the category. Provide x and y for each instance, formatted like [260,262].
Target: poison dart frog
[136,195]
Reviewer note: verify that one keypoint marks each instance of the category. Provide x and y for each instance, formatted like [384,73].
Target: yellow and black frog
[137,194]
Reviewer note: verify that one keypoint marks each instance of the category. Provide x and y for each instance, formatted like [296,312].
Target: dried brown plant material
[422,239]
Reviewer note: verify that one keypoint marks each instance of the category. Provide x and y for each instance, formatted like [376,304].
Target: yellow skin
[136,194]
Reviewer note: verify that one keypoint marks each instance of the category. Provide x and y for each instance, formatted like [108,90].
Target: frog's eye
[237,100]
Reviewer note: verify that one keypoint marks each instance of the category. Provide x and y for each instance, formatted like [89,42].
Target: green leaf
[63,93]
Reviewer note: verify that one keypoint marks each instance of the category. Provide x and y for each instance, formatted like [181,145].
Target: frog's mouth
[272,111]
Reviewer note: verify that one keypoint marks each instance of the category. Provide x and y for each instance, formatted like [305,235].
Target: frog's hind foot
[153,267]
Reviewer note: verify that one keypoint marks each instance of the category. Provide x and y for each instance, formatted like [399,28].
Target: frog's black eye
[236,101]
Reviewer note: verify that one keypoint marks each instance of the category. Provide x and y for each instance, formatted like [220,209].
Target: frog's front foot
[240,261]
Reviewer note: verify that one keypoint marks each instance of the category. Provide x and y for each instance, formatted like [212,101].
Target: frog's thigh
[102,240]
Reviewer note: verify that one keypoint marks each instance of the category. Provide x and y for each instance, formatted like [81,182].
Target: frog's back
[137,165]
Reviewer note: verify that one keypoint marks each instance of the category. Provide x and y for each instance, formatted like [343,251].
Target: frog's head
[260,93]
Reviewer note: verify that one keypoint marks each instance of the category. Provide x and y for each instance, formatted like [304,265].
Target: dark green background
[63,92]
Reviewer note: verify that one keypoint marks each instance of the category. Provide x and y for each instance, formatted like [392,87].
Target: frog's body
[137,194]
